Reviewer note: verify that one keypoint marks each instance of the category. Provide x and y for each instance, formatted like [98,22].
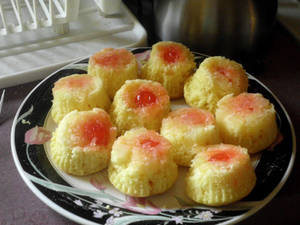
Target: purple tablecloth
[19,206]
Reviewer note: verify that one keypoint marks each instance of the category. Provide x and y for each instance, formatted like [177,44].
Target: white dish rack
[39,36]
[33,14]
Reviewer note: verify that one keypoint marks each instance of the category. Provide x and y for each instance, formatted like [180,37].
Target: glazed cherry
[95,133]
[222,156]
[73,82]
[171,54]
[112,57]
[145,98]
[227,73]
[197,118]
[149,143]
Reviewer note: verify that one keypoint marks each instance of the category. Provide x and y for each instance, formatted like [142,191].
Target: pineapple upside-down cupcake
[140,103]
[216,77]
[77,92]
[170,63]
[187,128]
[114,67]
[82,142]
[142,164]
[220,174]
[248,120]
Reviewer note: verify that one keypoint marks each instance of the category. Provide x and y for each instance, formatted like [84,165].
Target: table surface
[279,70]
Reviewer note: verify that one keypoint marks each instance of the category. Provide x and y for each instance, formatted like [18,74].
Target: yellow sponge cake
[220,175]
[140,103]
[248,120]
[77,92]
[187,128]
[170,63]
[142,164]
[114,67]
[216,77]
[82,142]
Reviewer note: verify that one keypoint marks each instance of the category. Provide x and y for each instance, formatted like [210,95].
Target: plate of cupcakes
[158,135]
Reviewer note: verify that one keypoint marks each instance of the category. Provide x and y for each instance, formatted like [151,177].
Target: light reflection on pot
[216,26]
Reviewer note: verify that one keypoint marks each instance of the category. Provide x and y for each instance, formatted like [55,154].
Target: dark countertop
[279,69]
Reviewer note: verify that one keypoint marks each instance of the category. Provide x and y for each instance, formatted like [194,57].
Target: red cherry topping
[171,54]
[226,72]
[145,98]
[73,82]
[222,155]
[197,117]
[95,132]
[112,57]
[248,103]
[148,143]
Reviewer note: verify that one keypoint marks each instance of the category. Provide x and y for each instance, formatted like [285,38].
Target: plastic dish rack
[30,15]
[40,36]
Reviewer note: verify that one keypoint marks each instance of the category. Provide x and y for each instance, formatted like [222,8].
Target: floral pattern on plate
[93,200]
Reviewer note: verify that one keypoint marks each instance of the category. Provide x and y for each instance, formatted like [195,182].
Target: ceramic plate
[93,200]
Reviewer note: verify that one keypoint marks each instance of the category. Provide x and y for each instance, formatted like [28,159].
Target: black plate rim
[81,220]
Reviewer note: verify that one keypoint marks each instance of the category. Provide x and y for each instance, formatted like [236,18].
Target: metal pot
[225,27]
